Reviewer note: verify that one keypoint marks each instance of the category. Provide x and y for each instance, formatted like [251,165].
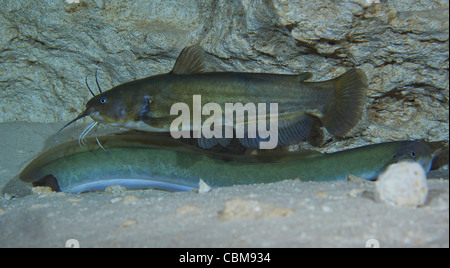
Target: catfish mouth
[96,116]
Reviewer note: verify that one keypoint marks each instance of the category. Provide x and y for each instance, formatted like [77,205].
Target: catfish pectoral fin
[345,109]
[156,121]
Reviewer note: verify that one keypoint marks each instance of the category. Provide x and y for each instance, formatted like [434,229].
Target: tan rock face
[48,47]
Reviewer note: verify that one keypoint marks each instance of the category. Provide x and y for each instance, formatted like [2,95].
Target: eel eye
[103,100]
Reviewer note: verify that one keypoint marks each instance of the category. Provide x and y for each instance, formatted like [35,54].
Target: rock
[128,223]
[42,191]
[403,185]
[116,190]
[48,47]
[203,187]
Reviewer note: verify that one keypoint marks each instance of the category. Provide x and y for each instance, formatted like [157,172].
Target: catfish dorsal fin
[190,61]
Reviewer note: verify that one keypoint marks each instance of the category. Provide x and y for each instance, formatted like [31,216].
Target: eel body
[146,161]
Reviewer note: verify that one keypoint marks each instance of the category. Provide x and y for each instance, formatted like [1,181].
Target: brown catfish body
[145,104]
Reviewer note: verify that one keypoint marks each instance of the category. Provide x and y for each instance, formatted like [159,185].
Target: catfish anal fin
[290,131]
[207,143]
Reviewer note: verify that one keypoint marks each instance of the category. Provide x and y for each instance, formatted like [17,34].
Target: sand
[284,214]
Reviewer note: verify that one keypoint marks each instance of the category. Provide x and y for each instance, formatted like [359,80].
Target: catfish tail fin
[346,105]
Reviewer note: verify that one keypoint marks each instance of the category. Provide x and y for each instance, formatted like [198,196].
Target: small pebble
[116,190]
[321,194]
[128,223]
[203,187]
[42,190]
[354,178]
[356,192]
[7,196]
[403,185]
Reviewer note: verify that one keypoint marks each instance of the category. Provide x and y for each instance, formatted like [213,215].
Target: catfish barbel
[147,161]
[145,104]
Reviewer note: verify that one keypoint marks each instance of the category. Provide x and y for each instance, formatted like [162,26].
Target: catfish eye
[413,154]
[103,100]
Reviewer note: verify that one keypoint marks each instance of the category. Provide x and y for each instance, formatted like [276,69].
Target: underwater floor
[284,214]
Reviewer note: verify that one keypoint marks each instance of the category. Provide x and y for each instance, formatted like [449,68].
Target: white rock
[203,187]
[403,185]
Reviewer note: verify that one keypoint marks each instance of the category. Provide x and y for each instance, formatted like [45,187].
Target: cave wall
[48,47]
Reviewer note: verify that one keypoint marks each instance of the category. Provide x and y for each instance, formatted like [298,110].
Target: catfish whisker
[81,138]
[96,81]
[85,80]
[83,114]
[88,85]
[99,144]
[96,138]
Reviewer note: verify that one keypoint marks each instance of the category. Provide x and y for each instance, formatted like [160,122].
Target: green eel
[146,161]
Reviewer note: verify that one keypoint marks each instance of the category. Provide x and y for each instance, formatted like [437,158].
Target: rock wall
[48,47]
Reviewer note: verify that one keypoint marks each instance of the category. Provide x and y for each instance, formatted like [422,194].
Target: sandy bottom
[284,214]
